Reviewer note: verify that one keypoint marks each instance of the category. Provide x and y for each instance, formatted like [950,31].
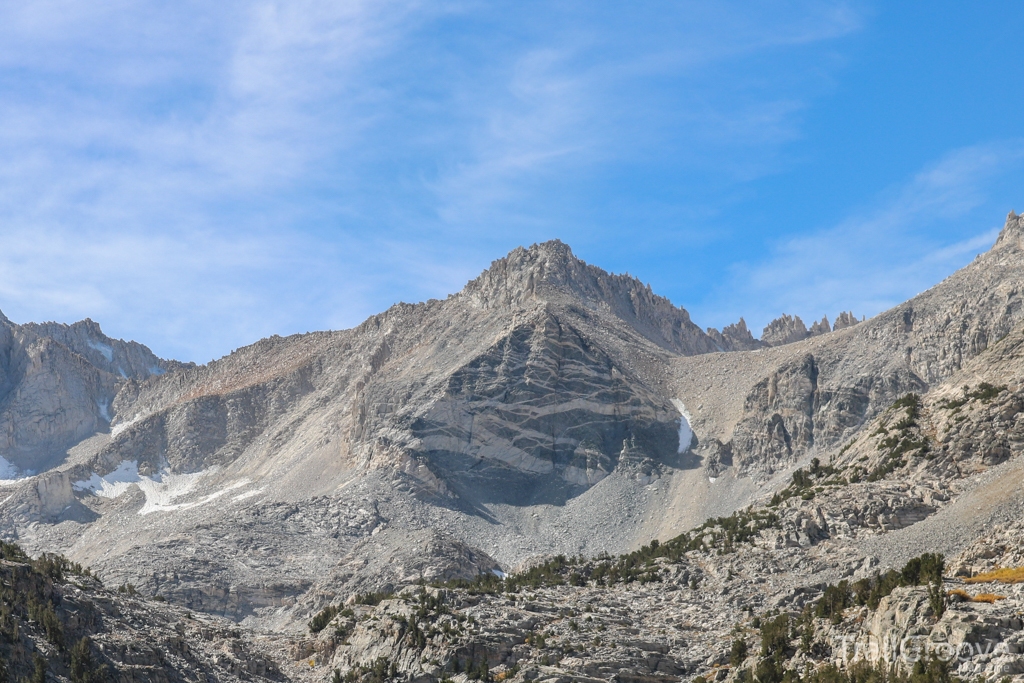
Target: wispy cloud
[583,104]
[198,175]
[914,236]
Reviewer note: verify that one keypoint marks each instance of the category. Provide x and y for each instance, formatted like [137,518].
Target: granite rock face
[817,393]
[57,387]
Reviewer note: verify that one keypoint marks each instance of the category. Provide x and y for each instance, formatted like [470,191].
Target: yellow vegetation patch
[980,597]
[1006,575]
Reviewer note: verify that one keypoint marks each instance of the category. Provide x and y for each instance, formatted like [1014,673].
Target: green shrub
[738,652]
[322,618]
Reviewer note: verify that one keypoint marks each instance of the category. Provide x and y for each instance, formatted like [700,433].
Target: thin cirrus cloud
[699,90]
[880,256]
[196,176]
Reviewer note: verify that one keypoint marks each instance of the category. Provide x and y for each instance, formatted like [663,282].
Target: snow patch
[162,491]
[154,370]
[105,349]
[113,484]
[500,574]
[685,431]
[104,407]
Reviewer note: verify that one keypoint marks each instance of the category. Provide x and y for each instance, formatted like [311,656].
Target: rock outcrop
[735,337]
[785,329]
[820,327]
[843,320]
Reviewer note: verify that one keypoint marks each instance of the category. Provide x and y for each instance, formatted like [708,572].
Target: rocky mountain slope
[57,388]
[835,573]
[58,622]
[548,408]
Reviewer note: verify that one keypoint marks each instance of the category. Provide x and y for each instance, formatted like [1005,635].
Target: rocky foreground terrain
[551,475]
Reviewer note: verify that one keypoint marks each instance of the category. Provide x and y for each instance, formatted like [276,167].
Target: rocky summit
[551,475]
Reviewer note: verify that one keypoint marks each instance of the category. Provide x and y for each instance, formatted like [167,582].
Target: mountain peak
[549,272]
[1012,234]
[527,273]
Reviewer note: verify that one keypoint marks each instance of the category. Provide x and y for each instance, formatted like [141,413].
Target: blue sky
[196,176]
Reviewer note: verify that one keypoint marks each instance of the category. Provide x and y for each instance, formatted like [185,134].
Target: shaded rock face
[785,329]
[796,408]
[542,401]
[57,387]
[780,420]
[205,431]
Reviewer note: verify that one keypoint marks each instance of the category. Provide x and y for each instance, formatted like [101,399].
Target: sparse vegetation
[1005,575]
[933,670]
[806,481]
[901,439]
[33,602]
[984,393]
[381,670]
[322,618]
[374,598]
[738,652]
[84,668]
[963,595]
[925,570]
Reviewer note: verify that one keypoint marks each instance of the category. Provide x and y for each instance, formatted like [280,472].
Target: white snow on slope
[106,350]
[104,407]
[163,490]
[685,431]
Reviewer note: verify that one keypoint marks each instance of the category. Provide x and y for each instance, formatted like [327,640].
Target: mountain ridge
[528,415]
